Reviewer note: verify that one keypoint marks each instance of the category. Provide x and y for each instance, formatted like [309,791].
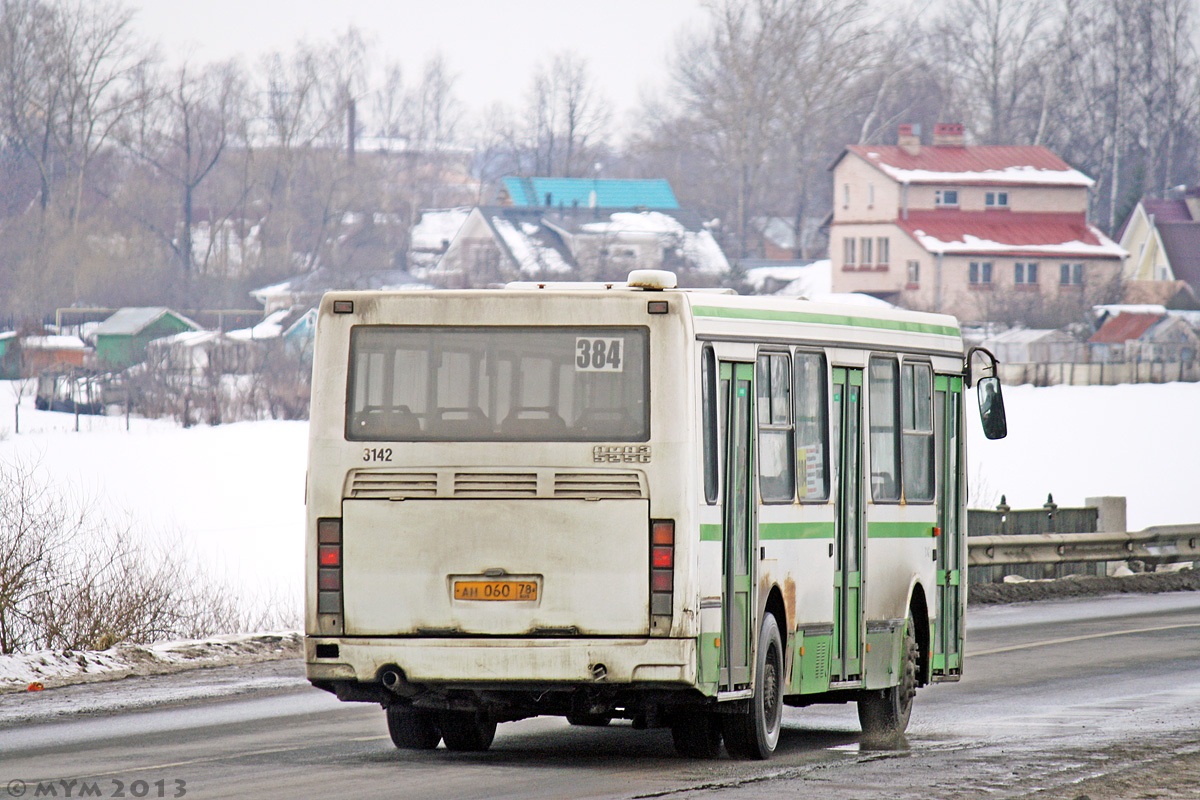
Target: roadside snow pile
[52,668]
[1084,586]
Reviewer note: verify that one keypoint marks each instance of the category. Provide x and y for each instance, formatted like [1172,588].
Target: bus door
[846,418]
[947,656]
[737,391]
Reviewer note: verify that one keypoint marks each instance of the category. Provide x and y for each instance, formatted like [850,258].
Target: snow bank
[52,668]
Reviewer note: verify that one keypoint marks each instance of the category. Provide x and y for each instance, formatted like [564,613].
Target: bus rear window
[492,384]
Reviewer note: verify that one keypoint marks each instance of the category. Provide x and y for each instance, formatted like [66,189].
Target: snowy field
[233,495]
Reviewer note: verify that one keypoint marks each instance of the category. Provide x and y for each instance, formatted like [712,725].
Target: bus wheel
[467,731]
[412,728]
[754,733]
[884,714]
[697,734]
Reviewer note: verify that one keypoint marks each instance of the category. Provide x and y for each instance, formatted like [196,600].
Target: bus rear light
[329,566]
[329,580]
[662,568]
[661,580]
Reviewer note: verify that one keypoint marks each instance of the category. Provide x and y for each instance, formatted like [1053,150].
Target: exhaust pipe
[392,680]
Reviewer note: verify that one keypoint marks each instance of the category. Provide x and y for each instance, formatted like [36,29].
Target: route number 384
[598,355]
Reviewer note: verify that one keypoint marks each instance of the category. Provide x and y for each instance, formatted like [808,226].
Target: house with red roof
[1153,336]
[1163,239]
[952,227]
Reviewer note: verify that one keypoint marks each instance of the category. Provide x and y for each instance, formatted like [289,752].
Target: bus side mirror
[991,408]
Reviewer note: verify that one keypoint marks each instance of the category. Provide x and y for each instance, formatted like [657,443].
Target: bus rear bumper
[498,662]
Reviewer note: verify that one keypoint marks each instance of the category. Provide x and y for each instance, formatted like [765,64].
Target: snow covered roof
[273,325]
[539,244]
[1024,336]
[129,321]
[590,193]
[186,339]
[531,251]
[809,280]
[1020,234]
[53,343]
[437,228]
[982,165]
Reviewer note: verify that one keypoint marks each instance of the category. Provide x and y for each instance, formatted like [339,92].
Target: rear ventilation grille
[450,484]
[370,484]
[495,484]
[617,485]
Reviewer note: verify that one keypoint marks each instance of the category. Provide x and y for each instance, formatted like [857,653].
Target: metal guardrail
[1162,544]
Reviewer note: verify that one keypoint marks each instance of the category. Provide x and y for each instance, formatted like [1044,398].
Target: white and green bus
[682,508]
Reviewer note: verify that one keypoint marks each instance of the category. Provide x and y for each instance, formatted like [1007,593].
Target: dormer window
[995,199]
[944,198]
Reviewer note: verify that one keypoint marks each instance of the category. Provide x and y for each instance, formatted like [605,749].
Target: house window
[914,272]
[996,199]
[865,244]
[845,195]
[882,251]
[870,195]
[1025,273]
[1070,274]
[981,273]
[849,244]
[946,197]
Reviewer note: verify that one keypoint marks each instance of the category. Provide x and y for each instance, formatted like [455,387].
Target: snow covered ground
[48,669]
[233,495]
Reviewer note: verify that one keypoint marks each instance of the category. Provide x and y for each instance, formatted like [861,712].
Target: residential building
[1151,337]
[1162,237]
[963,228]
[121,339]
[500,244]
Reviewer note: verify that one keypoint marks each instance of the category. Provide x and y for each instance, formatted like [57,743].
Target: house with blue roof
[564,193]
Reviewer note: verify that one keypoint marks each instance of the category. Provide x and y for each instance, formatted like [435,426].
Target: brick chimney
[949,134]
[910,139]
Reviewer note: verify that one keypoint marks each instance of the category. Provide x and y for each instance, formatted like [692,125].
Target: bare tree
[997,47]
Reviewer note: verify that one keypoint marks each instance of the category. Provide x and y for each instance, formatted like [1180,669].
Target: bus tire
[884,714]
[467,731]
[754,733]
[412,728]
[697,733]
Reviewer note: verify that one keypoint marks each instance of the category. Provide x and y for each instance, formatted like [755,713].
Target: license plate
[495,590]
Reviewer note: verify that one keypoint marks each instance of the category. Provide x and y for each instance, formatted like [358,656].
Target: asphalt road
[1057,696]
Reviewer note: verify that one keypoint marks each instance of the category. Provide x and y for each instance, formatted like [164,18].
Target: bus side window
[775,477]
[708,379]
[916,405]
[885,454]
[812,463]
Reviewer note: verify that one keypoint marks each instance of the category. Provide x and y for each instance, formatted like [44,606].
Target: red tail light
[662,566]
[329,566]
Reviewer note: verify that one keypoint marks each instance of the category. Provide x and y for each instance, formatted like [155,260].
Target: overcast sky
[492,45]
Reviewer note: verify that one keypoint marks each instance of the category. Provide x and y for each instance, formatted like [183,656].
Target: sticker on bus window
[599,355]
